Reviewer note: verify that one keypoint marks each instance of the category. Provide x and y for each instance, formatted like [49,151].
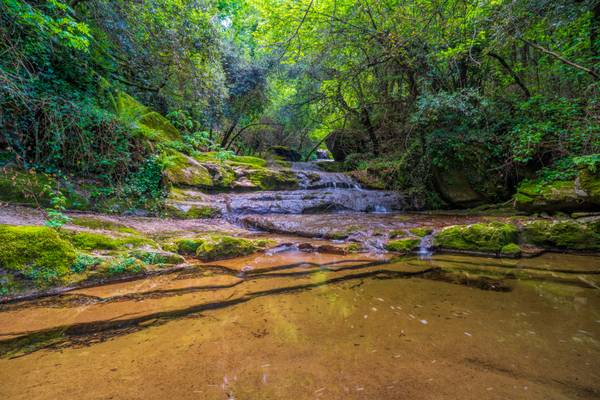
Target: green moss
[97,241]
[8,285]
[354,248]
[511,250]
[397,233]
[154,257]
[421,232]
[94,223]
[24,187]
[267,179]
[121,266]
[547,196]
[37,253]
[248,160]
[403,245]
[218,247]
[180,169]
[582,192]
[28,187]
[83,262]
[146,123]
[590,183]
[337,235]
[490,237]
[563,234]
[155,122]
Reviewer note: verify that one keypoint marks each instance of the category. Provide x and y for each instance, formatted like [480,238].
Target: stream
[291,324]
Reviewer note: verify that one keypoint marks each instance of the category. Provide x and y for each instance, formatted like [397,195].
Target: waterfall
[425,247]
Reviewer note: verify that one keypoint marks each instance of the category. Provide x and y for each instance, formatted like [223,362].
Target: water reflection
[312,325]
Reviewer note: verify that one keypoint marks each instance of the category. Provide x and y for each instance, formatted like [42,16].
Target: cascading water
[425,247]
[319,192]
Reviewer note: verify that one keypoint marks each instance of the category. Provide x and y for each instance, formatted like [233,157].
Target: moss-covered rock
[157,257]
[563,234]
[285,153]
[29,187]
[97,241]
[37,253]
[455,188]
[95,223]
[579,193]
[218,247]
[146,123]
[182,170]
[421,231]
[268,179]
[403,245]
[121,266]
[590,184]
[397,233]
[511,250]
[488,238]
[354,248]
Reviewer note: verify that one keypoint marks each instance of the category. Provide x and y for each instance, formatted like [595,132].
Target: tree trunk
[365,120]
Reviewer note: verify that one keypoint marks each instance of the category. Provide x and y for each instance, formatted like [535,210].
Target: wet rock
[322,154]
[191,211]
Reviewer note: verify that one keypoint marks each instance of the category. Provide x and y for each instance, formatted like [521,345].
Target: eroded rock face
[454,188]
[579,194]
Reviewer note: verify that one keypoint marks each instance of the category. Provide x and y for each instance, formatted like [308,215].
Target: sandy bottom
[365,337]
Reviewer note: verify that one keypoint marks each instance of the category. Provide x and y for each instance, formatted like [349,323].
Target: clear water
[307,325]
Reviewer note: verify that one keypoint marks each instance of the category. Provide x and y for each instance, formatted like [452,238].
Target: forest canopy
[407,93]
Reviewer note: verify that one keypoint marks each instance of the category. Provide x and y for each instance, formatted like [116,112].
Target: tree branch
[512,73]
[562,59]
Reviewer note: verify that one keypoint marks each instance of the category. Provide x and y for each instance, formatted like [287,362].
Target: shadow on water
[91,332]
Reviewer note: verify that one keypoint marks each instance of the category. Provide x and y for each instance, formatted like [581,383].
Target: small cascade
[426,247]
[320,192]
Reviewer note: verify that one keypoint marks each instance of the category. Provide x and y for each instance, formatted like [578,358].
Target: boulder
[494,237]
[285,153]
[455,188]
[344,142]
[579,194]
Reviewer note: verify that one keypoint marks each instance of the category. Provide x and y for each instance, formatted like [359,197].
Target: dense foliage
[404,90]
